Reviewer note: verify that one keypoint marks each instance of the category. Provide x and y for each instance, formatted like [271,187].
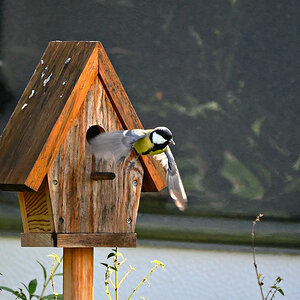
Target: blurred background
[223,76]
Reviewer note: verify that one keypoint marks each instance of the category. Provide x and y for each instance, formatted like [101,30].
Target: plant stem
[144,279]
[49,279]
[124,277]
[52,280]
[106,285]
[254,259]
[270,291]
[116,273]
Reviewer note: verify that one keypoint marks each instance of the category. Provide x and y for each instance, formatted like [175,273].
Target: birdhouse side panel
[79,203]
[36,210]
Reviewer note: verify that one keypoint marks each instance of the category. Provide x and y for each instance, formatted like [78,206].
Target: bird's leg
[132,163]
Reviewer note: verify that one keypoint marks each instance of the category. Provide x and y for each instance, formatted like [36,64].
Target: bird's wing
[115,144]
[175,186]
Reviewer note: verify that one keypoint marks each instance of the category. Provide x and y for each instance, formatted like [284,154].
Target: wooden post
[78,274]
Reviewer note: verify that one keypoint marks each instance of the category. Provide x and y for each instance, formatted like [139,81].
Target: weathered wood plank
[36,210]
[78,240]
[37,239]
[79,203]
[96,240]
[155,177]
[78,271]
[45,112]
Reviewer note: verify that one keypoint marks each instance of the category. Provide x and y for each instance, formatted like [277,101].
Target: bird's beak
[172,142]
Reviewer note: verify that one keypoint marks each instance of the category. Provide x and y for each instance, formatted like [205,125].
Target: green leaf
[4,288]
[58,274]
[110,255]
[19,294]
[105,265]
[25,286]
[279,279]
[280,291]
[44,271]
[32,286]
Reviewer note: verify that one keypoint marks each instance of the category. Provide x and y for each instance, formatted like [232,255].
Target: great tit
[118,145]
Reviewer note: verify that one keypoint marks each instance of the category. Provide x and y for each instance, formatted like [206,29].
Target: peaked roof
[47,107]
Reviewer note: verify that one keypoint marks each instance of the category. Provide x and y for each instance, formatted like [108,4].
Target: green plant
[30,289]
[260,279]
[114,268]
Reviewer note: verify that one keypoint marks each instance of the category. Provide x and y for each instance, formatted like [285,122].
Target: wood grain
[36,210]
[33,134]
[103,239]
[38,239]
[78,268]
[78,240]
[155,176]
[79,203]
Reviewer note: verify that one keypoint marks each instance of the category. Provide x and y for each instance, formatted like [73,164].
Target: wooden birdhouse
[67,197]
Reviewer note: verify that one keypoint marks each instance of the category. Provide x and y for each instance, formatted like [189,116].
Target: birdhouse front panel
[79,203]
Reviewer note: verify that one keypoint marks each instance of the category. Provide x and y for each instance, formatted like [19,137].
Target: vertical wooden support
[78,274]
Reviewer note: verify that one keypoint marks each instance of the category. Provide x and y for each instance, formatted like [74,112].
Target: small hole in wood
[94,131]
[61,220]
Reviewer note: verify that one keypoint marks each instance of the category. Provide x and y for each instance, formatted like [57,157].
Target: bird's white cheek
[158,139]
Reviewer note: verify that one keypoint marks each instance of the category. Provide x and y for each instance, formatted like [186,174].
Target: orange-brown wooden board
[78,240]
[103,239]
[36,210]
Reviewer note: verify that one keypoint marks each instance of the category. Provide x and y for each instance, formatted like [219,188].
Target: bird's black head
[161,136]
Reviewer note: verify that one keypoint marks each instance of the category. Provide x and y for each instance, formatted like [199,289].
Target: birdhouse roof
[48,106]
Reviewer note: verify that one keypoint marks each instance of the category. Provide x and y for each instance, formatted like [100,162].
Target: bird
[155,142]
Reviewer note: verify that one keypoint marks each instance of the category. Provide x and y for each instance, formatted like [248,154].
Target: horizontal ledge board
[78,240]
[37,239]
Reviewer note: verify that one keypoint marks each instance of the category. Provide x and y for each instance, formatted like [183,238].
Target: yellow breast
[143,145]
